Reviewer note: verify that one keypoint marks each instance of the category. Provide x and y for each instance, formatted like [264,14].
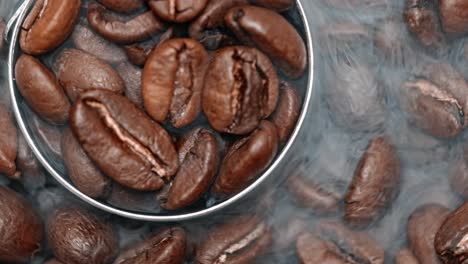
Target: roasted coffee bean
[8,144]
[135,29]
[375,184]
[167,246]
[172,81]
[208,27]
[20,229]
[423,22]
[77,236]
[87,40]
[131,75]
[287,111]
[246,159]
[405,256]
[451,238]
[312,196]
[122,141]
[49,23]
[458,176]
[40,88]
[240,240]
[81,170]
[123,6]
[50,136]
[342,36]
[198,159]
[78,71]
[436,100]
[241,88]
[311,249]
[277,5]
[179,11]
[272,34]
[454,16]
[423,224]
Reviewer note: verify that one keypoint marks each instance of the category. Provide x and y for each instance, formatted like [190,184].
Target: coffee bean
[405,256]
[124,6]
[198,158]
[287,111]
[122,141]
[135,29]
[131,75]
[272,34]
[239,240]
[241,88]
[246,159]
[8,144]
[179,11]
[172,81]
[129,199]
[458,177]
[77,236]
[78,71]
[375,184]
[454,16]
[450,241]
[277,5]
[423,224]
[311,249]
[21,228]
[168,246]
[49,23]
[41,90]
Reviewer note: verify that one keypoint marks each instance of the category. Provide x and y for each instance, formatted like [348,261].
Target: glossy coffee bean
[21,228]
[134,29]
[198,158]
[81,170]
[423,224]
[240,240]
[48,25]
[87,40]
[454,16]
[131,75]
[122,141]
[458,177]
[78,71]
[375,183]
[272,34]
[77,236]
[123,6]
[179,11]
[405,256]
[41,90]
[172,81]
[8,144]
[277,5]
[168,246]
[436,100]
[208,28]
[450,241]
[49,136]
[246,159]
[241,88]
[287,111]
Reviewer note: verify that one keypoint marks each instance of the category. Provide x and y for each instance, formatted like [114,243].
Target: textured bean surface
[178,11]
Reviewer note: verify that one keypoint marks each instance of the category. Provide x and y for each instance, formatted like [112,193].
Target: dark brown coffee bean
[423,22]
[458,177]
[179,11]
[312,196]
[241,88]
[135,29]
[240,240]
[246,159]
[198,158]
[8,144]
[87,40]
[49,136]
[122,141]
[451,238]
[287,111]
[81,170]
[272,34]
[172,81]
[77,236]
[311,249]
[277,5]
[342,36]
[437,100]
[423,224]
[405,256]
[166,247]
[375,184]
[131,75]
[78,71]
[49,23]
[21,228]
[207,28]
[454,16]
[123,6]
[40,88]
